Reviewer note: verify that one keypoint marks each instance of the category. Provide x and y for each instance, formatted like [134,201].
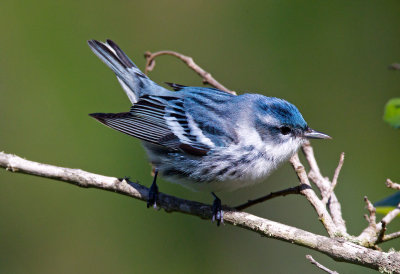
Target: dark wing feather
[129,124]
[147,120]
[176,87]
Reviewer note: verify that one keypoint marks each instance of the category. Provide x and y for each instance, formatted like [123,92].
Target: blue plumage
[204,138]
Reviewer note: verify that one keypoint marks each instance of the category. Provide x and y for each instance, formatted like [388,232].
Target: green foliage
[392,112]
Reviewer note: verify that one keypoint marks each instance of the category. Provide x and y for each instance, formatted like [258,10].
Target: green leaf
[392,112]
[387,204]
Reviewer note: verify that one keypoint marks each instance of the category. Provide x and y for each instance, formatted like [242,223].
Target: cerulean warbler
[203,138]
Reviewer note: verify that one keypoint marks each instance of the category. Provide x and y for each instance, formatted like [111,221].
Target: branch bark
[320,266]
[206,76]
[337,248]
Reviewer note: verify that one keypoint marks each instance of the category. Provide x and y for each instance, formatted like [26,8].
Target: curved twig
[320,266]
[206,76]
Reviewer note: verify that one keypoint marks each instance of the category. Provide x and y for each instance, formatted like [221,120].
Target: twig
[320,266]
[323,214]
[371,218]
[391,236]
[338,249]
[206,76]
[323,184]
[381,234]
[334,179]
[391,215]
[392,185]
[292,190]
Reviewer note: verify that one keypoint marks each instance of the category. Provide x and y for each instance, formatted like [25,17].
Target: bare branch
[391,215]
[206,76]
[336,248]
[320,266]
[292,190]
[372,213]
[381,234]
[391,236]
[324,185]
[323,214]
[334,179]
[392,185]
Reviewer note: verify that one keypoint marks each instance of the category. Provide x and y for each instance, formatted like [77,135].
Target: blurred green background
[328,58]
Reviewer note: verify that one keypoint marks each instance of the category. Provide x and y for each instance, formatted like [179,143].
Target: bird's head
[279,121]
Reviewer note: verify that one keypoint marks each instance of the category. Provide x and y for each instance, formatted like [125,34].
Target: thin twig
[315,173]
[370,234]
[391,215]
[391,236]
[291,190]
[206,76]
[334,179]
[323,185]
[371,218]
[392,185]
[381,234]
[323,214]
[320,266]
[338,249]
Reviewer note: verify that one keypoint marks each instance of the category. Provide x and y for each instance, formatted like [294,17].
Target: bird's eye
[285,130]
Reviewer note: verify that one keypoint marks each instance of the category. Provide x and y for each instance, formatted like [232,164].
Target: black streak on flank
[174,172]
[222,171]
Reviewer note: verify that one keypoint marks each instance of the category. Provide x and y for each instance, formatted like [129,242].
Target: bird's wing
[193,121]
[158,120]
[211,115]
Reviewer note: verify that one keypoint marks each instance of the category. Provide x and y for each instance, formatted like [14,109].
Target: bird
[203,138]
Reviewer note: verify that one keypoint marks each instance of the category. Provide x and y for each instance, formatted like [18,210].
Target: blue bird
[203,138]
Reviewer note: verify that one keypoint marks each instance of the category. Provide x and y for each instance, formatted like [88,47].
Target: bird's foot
[217,212]
[153,192]
[125,178]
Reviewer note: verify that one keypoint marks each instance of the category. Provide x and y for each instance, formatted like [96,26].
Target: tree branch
[206,76]
[320,266]
[291,190]
[324,185]
[392,185]
[317,204]
[337,248]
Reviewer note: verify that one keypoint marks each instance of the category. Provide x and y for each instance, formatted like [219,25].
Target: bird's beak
[313,134]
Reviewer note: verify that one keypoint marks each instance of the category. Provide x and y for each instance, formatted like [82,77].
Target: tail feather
[134,82]
[121,55]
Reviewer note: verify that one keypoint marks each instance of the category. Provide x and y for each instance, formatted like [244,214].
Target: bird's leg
[153,192]
[217,213]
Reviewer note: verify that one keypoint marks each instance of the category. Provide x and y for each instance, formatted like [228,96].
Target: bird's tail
[134,82]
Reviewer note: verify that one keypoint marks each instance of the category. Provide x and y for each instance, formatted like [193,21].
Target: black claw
[153,192]
[217,212]
[126,178]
